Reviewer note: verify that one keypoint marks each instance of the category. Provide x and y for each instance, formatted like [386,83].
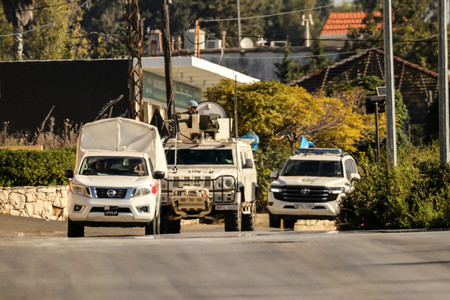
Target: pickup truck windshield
[106,165]
[312,168]
[200,157]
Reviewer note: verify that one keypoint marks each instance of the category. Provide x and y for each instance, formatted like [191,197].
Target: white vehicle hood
[113,181]
[313,181]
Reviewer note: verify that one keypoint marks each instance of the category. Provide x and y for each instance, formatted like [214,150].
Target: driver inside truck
[99,166]
[136,167]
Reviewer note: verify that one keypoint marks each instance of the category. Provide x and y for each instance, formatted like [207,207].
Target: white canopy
[121,134]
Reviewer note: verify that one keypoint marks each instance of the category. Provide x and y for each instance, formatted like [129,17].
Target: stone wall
[46,202]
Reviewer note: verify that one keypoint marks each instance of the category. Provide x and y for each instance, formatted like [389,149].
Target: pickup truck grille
[310,194]
[117,193]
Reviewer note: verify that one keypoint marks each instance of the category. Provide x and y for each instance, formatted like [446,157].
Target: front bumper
[128,210]
[304,210]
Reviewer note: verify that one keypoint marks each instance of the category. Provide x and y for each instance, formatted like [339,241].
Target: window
[200,157]
[312,168]
[107,165]
[350,167]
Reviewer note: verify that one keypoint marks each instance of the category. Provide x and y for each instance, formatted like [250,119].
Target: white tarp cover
[121,134]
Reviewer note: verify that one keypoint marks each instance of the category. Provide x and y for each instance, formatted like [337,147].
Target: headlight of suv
[275,189]
[337,190]
[141,191]
[80,190]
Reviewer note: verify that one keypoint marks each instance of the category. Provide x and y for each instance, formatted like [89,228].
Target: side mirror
[248,163]
[68,173]
[354,175]
[159,174]
[274,175]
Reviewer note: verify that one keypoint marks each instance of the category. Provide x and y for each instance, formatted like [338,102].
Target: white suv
[310,186]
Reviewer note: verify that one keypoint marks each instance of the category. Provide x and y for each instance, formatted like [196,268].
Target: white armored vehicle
[116,181]
[310,186]
[210,175]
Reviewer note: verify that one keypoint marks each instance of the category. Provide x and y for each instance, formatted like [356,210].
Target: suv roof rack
[319,150]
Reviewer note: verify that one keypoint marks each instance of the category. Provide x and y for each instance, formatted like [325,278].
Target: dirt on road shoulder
[13,226]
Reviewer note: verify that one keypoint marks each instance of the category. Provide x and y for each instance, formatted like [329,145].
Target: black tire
[170,227]
[154,226]
[248,221]
[74,229]
[233,220]
[149,228]
[289,223]
[274,221]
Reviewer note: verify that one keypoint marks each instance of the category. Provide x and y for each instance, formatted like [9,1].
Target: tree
[105,25]
[317,59]
[414,36]
[54,29]
[58,33]
[288,69]
[20,14]
[281,114]
[369,84]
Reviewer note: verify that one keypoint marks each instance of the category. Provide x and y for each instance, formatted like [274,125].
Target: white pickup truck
[116,181]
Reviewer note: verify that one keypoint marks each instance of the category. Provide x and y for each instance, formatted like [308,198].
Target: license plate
[305,205]
[227,207]
[111,210]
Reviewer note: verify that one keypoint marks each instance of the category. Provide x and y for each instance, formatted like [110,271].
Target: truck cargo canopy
[122,135]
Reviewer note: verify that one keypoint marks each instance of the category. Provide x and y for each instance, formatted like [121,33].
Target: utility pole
[390,94]
[239,23]
[443,84]
[167,60]
[134,53]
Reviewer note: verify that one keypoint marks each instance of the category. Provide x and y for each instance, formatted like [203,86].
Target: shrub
[415,194]
[33,168]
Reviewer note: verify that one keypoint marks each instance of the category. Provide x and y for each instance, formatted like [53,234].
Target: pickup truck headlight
[80,190]
[337,190]
[141,191]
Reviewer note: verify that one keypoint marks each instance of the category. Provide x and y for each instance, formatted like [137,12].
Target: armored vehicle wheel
[248,221]
[274,221]
[168,226]
[233,220]
[289,223]
[74,229]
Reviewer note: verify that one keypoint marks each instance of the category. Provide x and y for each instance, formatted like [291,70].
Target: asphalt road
[212,264]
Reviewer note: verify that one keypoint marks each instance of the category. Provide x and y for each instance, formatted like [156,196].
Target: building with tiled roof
[418,86]
[336,27]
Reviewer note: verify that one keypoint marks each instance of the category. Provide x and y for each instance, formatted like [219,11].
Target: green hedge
[415,194]
[33,168]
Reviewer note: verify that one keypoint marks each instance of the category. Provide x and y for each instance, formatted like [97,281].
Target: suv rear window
[294,167]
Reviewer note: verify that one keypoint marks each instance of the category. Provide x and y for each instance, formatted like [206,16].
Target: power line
[267,16]
[35,8]
[49,24]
